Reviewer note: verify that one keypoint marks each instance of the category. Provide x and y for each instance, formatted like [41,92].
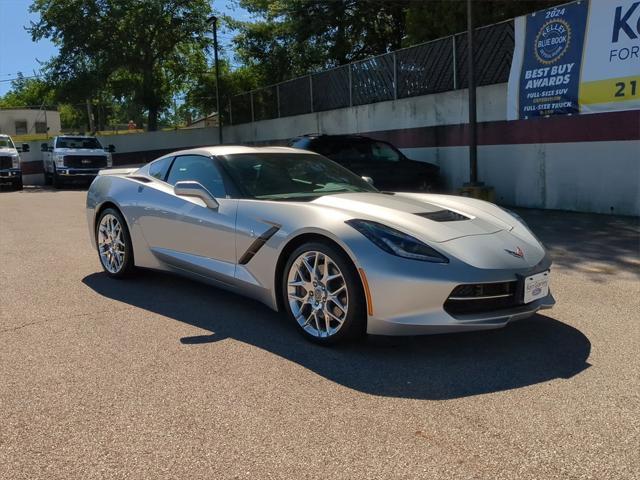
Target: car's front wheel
[323,294]
[114,244]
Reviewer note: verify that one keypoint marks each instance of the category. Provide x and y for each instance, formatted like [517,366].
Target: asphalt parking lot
[160,377]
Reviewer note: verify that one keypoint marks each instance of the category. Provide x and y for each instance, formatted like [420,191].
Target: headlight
[59,159]
[397,243]
[15,160]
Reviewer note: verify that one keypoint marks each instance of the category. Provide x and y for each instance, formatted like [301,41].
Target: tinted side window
[352,150]
[200,169]
[159,168]
[383,152]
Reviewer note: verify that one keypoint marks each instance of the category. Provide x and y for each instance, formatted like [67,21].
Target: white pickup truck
[72,158]
[10,169]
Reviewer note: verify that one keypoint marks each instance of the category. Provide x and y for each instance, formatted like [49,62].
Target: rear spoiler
[118,171]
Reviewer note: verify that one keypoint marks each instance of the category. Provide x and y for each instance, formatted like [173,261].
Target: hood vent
[443,216]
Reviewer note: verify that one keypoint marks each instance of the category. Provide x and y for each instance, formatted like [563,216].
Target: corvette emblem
[516,253]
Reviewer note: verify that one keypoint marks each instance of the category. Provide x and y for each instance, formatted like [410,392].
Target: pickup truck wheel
[57,181]
[47,178]
[115,249]
[18,184]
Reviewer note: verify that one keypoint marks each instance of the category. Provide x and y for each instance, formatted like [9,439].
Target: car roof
[337,136]
[70,135]
[238,149]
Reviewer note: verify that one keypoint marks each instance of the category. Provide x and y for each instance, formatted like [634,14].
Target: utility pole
[90,115]
[473,134]
[213,20]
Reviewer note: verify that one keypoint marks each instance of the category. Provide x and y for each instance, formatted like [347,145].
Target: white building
[21,121]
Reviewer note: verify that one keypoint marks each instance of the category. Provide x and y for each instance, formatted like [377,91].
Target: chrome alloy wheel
[317,294]
[111,244]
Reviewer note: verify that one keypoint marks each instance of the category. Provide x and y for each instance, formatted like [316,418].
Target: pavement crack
[52,319]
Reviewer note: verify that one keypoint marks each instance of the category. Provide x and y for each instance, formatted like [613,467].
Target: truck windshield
[78,142]
[5,142]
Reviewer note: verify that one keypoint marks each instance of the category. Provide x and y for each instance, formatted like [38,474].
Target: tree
[440,18]
[28,92]
[141,50]
[293,37]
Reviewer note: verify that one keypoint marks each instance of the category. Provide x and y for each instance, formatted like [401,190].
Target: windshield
[281,176]
[78,142]
[5,142]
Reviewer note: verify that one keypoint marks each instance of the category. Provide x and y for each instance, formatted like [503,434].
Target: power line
[20,78]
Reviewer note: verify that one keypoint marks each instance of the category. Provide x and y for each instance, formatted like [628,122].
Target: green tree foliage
[38,93]
[28,92]
[200,99]
[433,19]
[136,51]
[293,37]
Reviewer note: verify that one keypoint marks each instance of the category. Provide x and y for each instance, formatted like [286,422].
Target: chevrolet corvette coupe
[303,235]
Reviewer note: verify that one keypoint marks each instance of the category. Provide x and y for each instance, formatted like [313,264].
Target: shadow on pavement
[590,243]
[429,367]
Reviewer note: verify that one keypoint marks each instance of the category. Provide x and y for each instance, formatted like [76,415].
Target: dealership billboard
[582,57]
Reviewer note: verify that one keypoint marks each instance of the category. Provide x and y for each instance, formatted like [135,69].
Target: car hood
[432,218]
[81,151]
[8,151]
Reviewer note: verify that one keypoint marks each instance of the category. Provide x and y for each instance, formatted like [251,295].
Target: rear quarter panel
[123,193]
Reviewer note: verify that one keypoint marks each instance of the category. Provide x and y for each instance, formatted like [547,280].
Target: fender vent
[443,216]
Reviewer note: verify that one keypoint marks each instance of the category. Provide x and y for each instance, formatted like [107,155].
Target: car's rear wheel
[114,244]
[323,294]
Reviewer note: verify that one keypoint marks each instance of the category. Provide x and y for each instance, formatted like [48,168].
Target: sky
[18,53]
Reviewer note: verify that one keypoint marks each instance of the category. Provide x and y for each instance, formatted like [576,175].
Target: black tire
[57,181]
[128,266]
[47,178]
[355,322]
[18,185]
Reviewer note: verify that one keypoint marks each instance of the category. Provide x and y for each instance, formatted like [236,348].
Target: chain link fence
[432,67]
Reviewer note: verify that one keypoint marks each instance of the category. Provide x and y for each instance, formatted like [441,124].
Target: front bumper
[441,322]
[69,175]
[10,176]
[408,297]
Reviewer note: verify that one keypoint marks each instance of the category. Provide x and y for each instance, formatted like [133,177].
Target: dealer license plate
[536,287]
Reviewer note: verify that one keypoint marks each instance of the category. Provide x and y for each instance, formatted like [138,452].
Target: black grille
[73,161]
[443,216]
[482,297]
[6,162]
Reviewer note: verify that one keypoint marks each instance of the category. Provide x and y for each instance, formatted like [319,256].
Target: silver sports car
[300,233]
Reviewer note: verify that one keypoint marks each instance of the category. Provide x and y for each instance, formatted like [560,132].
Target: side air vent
[257,244]
[443,216]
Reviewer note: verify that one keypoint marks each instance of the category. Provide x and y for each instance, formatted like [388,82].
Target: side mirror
[190,188]
[369,180]
[44,147]
[25,147]
[110,149]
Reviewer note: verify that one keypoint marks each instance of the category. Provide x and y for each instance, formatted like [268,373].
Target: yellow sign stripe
[610,90]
